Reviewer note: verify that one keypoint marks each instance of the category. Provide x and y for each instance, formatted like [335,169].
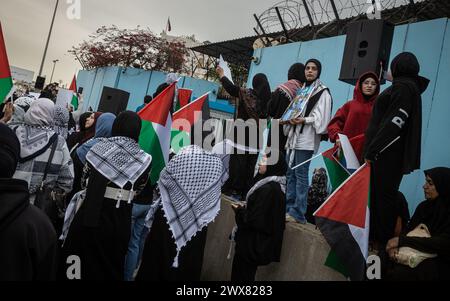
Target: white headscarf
[171,78]
[21,106]
[40,113]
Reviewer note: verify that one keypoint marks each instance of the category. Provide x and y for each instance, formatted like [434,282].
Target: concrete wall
[302,257]
[429,41]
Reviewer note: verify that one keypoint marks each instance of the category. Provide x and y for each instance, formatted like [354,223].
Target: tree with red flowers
[139,48]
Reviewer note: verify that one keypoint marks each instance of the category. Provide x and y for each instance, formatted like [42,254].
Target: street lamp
[48,38]
[54,64]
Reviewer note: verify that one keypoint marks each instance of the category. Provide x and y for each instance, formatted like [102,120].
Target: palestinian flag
[155,132]
[185,119]
[344,219]
[184,96]
[335,161]
[338,172]
[73,88]
[6,83]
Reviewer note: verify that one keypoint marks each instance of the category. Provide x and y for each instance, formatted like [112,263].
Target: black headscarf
[9,151]
[409,65]
[435,213]
[319,68]
[160,88]
[82,120]
[127,124]
[297,71]
[441,179]
[261,88]
[279,169]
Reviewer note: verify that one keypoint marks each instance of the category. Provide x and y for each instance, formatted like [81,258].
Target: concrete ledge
[302,257]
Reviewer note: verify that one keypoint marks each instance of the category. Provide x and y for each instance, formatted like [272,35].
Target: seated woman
[435,214]
[261,223]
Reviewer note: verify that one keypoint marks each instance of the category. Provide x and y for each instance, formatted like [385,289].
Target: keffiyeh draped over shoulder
[119,159]
[190,187]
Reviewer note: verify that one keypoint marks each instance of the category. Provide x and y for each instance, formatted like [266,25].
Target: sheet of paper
[64,97]
[226,69]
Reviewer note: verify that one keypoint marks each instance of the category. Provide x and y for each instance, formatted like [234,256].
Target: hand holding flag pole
[319,155]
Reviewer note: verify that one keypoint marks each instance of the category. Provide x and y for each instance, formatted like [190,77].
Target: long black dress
[260,231]
[100,232]
[160,251]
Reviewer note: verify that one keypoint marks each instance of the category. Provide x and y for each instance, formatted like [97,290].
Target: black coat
[261,225]
[100,232]
[398,112]
[28,244]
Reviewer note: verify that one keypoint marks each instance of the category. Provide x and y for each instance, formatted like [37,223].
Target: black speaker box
[367,48]
[113,101]
[40,83]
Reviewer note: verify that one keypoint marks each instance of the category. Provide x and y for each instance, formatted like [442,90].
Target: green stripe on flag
[336,173]
[149,142]
[333,262]
[6,85]
[74,102]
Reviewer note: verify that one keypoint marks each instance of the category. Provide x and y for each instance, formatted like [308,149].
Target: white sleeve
[286,129]
[320,116]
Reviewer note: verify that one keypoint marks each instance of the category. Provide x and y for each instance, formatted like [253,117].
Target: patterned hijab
[120,158]
[21,106]
[36,135]
[61,119]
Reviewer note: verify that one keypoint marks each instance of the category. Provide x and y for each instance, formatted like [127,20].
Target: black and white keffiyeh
[34,140]
[119,159]
[190,187]
[61,121]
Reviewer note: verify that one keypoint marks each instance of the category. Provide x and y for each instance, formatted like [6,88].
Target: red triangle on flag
[348,204]
[158,109]
[73,85]
[188,111]
[5,72]
[184,95]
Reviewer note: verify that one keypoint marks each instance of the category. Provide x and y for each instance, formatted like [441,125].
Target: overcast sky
[26,23]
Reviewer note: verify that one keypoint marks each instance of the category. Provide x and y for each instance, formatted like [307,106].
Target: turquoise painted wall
[429,41]
[137,82]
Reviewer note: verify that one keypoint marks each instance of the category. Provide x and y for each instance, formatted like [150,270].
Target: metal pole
[262,29]
[54,65]
[282,23]
[335,10]
[48,38]
[308,13]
